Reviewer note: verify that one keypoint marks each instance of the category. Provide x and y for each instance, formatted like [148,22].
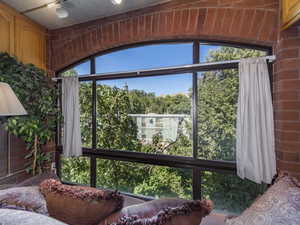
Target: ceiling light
[116,2]
[61,12]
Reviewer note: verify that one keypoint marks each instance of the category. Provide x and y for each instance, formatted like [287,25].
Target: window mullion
[93,159]
[196,171]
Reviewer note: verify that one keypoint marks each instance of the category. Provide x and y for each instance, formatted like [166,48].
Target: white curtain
[255,147]
[71,114]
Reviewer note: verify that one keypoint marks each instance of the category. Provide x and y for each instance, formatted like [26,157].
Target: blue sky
[147,57]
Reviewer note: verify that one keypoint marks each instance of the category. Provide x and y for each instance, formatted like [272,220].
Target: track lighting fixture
[116,2]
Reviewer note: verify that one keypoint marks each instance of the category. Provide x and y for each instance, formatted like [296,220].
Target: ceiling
[79,10]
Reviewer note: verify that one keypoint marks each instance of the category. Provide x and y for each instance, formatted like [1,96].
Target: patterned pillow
[77,205]
[280,205]
[190,213]
[168,211]
[23,198]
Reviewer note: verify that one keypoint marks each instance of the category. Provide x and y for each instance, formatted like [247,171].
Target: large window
[144,179]
[162,132]
[141,58]
[217,102]
[150,114]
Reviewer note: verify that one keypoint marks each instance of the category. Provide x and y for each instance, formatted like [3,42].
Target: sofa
[36,198]
[43,201]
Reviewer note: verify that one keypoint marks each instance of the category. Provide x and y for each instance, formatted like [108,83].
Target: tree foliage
[218,96]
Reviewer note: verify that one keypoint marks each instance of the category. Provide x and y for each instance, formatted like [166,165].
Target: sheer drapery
[71,114]
[255,147]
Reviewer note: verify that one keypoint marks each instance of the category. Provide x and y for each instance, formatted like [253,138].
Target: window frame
[197,165]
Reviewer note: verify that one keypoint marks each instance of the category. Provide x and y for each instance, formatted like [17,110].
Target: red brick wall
[248,21]
[287,100]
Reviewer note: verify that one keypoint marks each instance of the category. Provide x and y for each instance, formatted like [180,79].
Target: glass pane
[76,170]
[230,194]
[149,114]
[214,53]
[86,107]
[217,104]
[81,69]
[145,57]
[143,179]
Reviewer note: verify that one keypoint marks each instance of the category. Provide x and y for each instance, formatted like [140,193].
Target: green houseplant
[38,95]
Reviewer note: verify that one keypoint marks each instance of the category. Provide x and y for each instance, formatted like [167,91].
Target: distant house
[169,126]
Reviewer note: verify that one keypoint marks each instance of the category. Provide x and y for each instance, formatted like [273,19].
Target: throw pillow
[279,205]
[77,205]
[162,212]
[23,198]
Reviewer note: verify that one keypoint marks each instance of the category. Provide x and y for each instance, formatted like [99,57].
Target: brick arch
[236,21]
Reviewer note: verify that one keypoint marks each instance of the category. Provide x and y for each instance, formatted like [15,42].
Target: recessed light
[61,12]
[116,2]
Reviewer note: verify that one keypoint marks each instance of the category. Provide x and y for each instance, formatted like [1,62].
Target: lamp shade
[9,103]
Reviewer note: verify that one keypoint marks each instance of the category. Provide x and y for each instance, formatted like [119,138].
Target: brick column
[287,101]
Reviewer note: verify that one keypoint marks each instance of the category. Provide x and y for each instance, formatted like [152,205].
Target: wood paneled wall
[21,37]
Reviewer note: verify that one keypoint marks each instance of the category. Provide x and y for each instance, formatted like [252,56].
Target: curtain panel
[255,147]
[71,113]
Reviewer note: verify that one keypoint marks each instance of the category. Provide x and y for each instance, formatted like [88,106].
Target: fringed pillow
[279,205]
[77,205]
[162,212]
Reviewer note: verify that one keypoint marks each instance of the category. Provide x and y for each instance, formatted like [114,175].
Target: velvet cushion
[279,205]
[76,205]
[23,198]
[162,211]
[18,217]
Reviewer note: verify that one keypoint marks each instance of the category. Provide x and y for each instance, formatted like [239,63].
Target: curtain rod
[270,58]
[149,115]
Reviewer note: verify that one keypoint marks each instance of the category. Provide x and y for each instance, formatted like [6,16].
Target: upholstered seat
[214,219]
[21,217]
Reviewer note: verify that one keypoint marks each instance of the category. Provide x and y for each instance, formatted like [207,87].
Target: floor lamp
[9,103]
[9,106]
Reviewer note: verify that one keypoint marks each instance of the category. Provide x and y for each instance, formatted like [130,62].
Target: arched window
[162,132]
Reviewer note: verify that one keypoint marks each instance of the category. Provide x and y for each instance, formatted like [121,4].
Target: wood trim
[12,174]
[290,14]
[291,22]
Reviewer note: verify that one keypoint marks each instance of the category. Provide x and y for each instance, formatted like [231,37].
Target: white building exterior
[169,126]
